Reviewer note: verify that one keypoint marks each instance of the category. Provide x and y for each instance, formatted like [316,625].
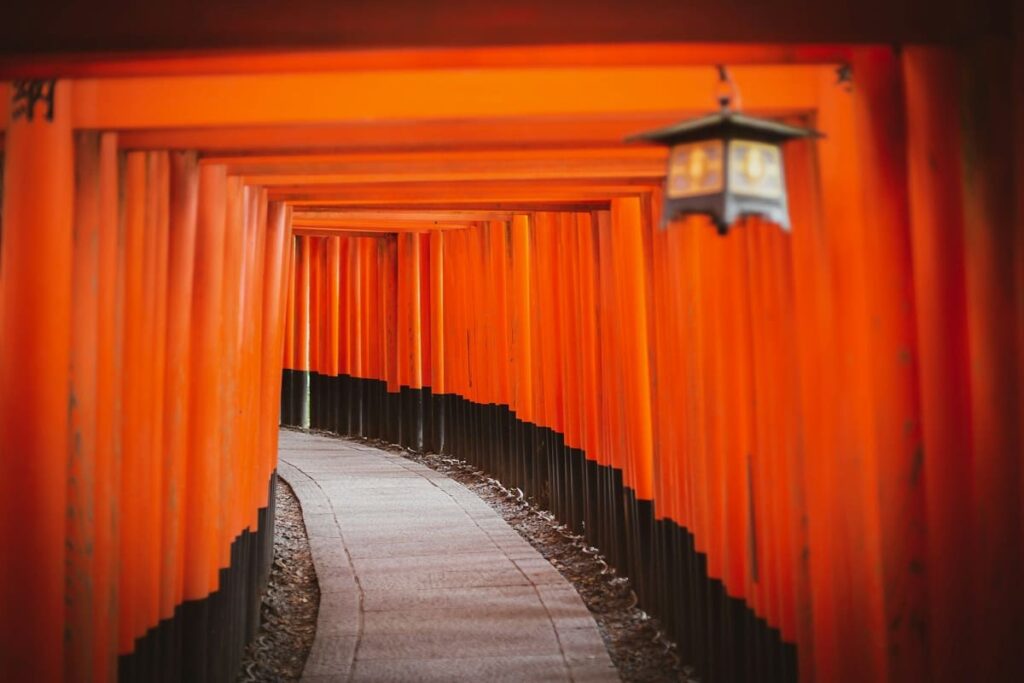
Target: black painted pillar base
[203,642]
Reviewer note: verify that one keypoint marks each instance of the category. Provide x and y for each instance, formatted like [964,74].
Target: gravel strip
[289,608]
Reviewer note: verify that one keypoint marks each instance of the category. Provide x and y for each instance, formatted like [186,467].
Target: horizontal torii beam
[302,220]
[467,216]
[250,164]
[397,95]
[551,131]
[452,195]
[635,161]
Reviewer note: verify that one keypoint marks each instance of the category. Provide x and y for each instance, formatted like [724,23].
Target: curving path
[420,580]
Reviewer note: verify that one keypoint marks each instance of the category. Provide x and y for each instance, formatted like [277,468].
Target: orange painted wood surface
[36,263]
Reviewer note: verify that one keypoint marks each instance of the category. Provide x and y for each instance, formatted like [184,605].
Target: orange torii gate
[769,432]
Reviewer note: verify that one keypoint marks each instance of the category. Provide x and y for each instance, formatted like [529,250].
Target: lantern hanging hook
[726,92]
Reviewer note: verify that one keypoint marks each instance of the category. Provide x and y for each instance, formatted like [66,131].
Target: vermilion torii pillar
[35,317]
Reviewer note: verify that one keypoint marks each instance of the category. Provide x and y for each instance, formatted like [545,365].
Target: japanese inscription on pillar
[27,94]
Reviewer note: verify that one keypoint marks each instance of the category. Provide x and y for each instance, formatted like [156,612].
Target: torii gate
[436,146]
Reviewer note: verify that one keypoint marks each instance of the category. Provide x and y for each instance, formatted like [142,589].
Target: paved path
[420,580]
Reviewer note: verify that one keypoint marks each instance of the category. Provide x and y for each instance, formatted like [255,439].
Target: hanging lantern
[726,165]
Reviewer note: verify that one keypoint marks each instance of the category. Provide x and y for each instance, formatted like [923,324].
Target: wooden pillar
[108,417]
[521,317]
[184,202]
[937,228]
[286,410]
[35,316]
[302,333]
[1017,87]
[131,531]
[628,253]
[230,369]
[389,304]
[276,279]
[81,603]
[962,210]
[437,311]
[426,351]
[333,319]
[410,342]
[588,319]
[156,248]
[989,194]
[204,402]
[880,122]
[90,602]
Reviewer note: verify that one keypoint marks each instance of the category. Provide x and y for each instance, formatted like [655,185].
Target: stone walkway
[420,580]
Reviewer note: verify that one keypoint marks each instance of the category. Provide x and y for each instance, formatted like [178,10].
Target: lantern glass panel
[696,168]
[755,169]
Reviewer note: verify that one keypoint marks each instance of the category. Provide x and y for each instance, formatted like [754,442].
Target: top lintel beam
[406,95]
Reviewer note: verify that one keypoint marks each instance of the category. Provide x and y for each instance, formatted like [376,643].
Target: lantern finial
[726,91]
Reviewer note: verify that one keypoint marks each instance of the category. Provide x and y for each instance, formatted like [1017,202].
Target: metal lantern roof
[726,125]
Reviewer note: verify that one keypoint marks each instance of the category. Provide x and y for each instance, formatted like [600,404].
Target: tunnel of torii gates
[802,447]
